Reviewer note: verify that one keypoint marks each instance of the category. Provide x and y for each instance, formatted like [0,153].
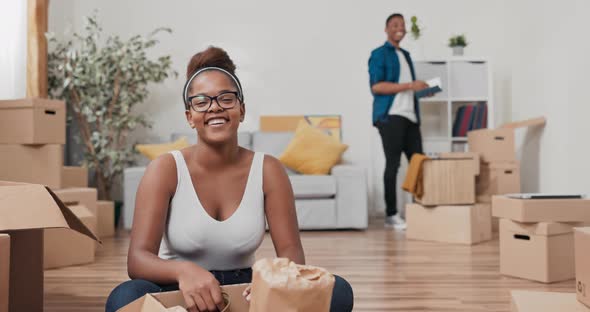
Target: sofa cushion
[244,138]
[312,151]
[271,143]
[313,186]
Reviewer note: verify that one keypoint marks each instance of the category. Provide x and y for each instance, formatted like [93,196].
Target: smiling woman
[200,211]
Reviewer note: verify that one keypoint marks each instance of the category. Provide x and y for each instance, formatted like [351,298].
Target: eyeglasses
[201,103]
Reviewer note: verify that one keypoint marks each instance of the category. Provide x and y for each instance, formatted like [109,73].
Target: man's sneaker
[395,222]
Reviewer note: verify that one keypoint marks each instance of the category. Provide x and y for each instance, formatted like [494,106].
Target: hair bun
[210,57]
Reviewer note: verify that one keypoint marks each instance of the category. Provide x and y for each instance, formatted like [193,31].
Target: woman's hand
[200,289]
[247,293]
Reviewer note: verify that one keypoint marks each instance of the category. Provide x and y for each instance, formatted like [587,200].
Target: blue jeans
[129,291]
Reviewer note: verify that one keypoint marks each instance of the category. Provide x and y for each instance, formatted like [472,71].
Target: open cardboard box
[497,145]
[25,210]
[449,179]
[79,196]
[160,302]
[542,301]
[63,247]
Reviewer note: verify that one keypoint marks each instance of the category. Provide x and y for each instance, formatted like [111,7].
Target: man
[395,108]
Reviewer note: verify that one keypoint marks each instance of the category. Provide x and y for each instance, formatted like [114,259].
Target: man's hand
[418,85]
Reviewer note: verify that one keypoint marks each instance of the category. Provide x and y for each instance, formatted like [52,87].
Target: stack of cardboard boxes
[32,135]
[536,236]
[539,301]
[500,170]
[447,211]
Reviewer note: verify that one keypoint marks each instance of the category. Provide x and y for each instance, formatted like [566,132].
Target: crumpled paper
[281,285]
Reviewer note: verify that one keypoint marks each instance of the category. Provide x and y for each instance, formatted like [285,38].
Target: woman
[200,212]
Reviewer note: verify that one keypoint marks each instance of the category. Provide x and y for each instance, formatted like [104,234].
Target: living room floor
[387,273]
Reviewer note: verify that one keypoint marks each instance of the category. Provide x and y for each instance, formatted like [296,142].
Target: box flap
[28,206]
[540,228]
[539,121]
[157,302]
[29,103]
[81,211]
[540,301]
[73,222]
[33,206]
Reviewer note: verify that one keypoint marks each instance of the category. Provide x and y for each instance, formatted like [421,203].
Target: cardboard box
[160,302]
[541,301]
[497,179]
[32,121]
[105,212]
[74,177]
[25,210]
[39,164]
[449,180]
[582,256]
[4,271]
[497,145]
[541,251]
[541,210]
[468,224]
[79,196]
[62,247]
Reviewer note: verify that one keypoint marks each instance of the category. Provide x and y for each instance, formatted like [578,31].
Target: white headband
[233,77]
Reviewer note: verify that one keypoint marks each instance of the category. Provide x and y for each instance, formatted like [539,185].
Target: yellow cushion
[152,151]
[311,151]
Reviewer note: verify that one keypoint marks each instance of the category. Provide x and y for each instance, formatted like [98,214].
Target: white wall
[299,57]
[550,77]
[13,50]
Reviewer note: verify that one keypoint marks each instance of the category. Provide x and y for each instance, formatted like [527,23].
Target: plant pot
[458,51]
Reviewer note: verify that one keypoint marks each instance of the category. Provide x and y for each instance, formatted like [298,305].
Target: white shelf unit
[464,81]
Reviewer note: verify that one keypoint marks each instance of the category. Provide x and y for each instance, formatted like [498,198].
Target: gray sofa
[334,201]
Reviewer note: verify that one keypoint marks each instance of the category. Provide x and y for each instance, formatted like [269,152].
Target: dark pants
[127,292]
[398,135]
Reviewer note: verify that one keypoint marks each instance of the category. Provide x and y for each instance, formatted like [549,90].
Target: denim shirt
[384,65]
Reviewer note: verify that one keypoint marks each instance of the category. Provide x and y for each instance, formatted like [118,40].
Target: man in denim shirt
[395,108]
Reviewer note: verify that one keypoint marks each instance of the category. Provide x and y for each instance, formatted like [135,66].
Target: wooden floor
[387,273]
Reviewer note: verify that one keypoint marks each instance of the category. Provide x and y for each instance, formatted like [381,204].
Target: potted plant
[415,28]
[101,82]
[457,43]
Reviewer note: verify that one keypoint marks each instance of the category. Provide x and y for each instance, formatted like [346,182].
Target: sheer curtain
[13,49]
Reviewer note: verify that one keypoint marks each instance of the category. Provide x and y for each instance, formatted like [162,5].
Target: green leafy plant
[457,41]
[415,28]
[101,82]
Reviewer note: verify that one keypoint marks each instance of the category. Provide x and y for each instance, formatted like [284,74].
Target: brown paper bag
[281,285]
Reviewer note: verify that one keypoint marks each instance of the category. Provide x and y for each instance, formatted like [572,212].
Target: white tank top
[191,234]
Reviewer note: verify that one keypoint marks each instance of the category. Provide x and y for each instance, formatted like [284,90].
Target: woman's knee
[342,296]
[127,292]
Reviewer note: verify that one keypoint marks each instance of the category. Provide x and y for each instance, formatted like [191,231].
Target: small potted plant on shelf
[415,28]
[457,43]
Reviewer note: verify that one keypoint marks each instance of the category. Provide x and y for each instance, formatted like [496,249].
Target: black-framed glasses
[201,103]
